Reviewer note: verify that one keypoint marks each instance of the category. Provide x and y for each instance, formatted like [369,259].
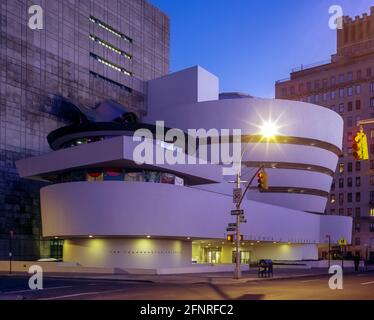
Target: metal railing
[311,65]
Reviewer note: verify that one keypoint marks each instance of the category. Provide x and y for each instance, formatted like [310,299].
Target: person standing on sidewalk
[356,261]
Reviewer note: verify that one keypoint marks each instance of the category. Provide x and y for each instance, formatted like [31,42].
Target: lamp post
[366,256]
[11,233]
[237,272]
[329,252]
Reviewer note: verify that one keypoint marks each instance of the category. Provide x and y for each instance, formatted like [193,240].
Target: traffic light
[230,237]
[360,146]
[262,178]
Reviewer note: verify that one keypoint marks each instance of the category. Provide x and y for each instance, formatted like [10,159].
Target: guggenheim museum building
[110,210]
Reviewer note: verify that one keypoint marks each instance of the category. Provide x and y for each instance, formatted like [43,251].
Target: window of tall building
[333,81]
[372,148]
[341,78]
[371,228]
[341,198]
[350,76]
[109,28]
[358,166]
[341,92]
[371,195]
[301,87]
[309,86]
[372,102]
[349,91]
[371,212]
[357,241]
[358,181]
[358,197]
[324,83]
[372,180]
[358,104]
[371,164]
[357,227]
[341,107]
[333,95]
[349,212]
[316,84]
[316,98]
[341,183]
[349,166]
[349,150]
[349,182]
[350,106]
[357,212]
[332,198]
[368,72]
[349,197]
[341,211]
[372,86]
[325,96]
[341,167]
[358,89]
[359,74]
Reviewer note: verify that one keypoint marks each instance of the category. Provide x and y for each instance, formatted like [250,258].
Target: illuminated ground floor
[149,253]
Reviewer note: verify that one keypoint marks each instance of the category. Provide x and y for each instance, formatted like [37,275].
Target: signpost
[237,197]
[329,253]
[342,242]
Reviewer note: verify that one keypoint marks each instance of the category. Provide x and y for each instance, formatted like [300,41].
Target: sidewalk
[212,278]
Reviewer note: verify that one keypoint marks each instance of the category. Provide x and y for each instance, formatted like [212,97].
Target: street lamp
[329,253]
[268,130]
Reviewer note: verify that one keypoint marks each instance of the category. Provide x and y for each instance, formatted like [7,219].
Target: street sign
[230,229]
[243,219]
[236,195]
[232,224]
[342,242]
[237,212]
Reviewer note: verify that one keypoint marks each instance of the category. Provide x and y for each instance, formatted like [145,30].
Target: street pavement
[295,286]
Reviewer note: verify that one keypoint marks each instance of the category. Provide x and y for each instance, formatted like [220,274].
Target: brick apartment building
[88,51]
[345,84]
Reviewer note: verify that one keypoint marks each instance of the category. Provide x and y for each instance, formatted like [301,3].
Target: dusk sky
[251,44]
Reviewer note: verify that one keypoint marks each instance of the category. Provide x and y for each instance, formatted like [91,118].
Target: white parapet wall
[128,253]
